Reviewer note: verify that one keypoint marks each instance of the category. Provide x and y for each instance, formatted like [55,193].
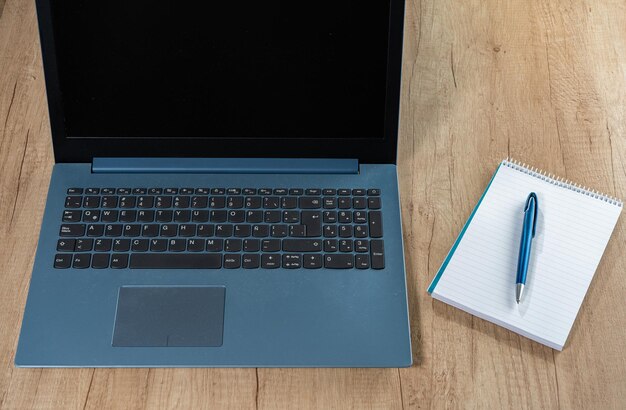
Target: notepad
[574,225]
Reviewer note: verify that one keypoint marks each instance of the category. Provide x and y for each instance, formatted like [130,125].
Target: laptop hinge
[120,165]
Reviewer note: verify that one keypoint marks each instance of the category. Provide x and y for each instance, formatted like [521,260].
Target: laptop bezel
[84,149]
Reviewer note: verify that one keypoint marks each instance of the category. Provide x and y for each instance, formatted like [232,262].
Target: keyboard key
[218,216]
[249,191]
[270,261]
[292,261]
[312,261]
[91,202]
[218,191]
[139,191]
[297,230]
[164,216]
[270,245]
[163,202]
[72,215]
[373,203]
[100,261]
[253,202]
[362,261]
[330,217]
[120,260]
[313,191]
[344,203]
[187,230]
[73,201]
[81,261]
[377,253]
[150,230]
[345,217]
[271,202]
[177,245]
[361,245]
[196,245]
[83,245]
[251,245]
[291,217]
[313,222]
[234,202]
[330,202]
[330,231]
[62,260]
[128,215]
[360,231]
[102,245]
[329,191]
[175,261]
[310,202]
[232,261]
[132,230]
[376,224]
[158,245]
[359,217]
[186,191]
[223,231]
[140,245]
[169,230]
[358,192]
[214,245]
[205,230]
[217,202]
[121,245]
[65,245]
[302,245]
[243,231]
[200,216]
[182,201]
[279,231]
[345,245]
[289,202]
[373,192]
[232,245]
[145,216]
[233,191]
[359,202]
[182,215]
[331,245]
[343,192]
[155,191]
[145,202]
[123,191]
[73,191]
[107,191]
[91,215]
[345,231]
[127,201]
[109,201]
[72,230]
[109,216]
[251,261]
[272,217]
[280,191]
[236,216]
[338,261]
[199,202]
[296,191]
[260,231]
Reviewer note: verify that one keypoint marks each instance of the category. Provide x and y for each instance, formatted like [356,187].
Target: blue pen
[528,233]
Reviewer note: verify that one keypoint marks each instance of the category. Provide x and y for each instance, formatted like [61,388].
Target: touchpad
[155,316]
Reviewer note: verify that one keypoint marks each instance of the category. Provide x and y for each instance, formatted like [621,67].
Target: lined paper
[573,229]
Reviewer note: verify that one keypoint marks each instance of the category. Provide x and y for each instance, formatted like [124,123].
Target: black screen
[233,69]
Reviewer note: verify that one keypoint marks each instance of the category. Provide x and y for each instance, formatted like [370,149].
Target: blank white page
[573,229]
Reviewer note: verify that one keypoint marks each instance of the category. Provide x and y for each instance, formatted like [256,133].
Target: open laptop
[225,189]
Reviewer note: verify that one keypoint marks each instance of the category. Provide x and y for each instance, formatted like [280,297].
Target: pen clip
[533,196]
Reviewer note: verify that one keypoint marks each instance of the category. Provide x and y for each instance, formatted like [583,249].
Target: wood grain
[541,81]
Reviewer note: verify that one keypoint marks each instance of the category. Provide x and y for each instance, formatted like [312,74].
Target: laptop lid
[223,79]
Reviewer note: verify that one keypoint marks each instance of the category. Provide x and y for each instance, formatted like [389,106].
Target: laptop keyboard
[202,228]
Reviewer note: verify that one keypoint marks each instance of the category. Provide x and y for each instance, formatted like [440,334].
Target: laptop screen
[227,69]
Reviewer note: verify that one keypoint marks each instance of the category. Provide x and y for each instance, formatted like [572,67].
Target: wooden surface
[542,81]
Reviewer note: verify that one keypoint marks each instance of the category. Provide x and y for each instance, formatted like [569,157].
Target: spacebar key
[175,261]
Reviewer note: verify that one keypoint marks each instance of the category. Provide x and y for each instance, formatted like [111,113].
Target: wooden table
[542,81]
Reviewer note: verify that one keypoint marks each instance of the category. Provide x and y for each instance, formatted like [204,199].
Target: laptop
[225,188]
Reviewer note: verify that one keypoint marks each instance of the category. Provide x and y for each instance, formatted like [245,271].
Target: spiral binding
[558,181]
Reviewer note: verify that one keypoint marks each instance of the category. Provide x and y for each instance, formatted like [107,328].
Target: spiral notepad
[573,228]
